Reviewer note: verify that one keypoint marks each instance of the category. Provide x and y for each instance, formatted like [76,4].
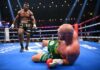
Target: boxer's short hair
[26,4]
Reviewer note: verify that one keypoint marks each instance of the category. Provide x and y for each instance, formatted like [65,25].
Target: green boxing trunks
[52,51]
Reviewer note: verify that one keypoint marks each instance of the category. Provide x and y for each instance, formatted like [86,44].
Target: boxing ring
[12,59]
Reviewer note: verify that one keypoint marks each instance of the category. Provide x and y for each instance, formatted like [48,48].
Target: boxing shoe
[22,49]
[26,48]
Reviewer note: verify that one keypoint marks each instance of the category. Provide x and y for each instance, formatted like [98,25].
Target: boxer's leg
[20,34]
[27,41]
[45,43]
[28,31]
[40,57]
[37,57]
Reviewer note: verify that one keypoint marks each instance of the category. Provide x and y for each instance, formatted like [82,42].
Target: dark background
[52,12]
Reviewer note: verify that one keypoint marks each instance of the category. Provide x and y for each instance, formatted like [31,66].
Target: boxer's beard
[25,9]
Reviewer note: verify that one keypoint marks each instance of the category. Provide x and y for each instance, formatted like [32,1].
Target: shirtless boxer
[27,21]
[65,50]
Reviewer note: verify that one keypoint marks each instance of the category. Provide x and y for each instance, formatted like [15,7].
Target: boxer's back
[72,51]
[69,44]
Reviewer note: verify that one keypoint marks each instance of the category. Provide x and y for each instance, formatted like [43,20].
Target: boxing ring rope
[84,33]
[38,34]
[49,32]
[92,19]
[89,26]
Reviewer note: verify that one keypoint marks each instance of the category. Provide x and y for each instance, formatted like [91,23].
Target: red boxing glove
[50,60]
[54,62]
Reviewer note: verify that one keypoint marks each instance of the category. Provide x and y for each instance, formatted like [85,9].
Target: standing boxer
[26,22]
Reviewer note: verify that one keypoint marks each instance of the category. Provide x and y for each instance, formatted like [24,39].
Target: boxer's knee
[45,42]
[36,58]
[20,31]
[28,34]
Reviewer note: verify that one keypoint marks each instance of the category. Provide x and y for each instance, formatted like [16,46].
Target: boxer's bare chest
[24,14]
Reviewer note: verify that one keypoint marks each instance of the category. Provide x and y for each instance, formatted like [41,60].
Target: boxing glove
[34,26]
[48,62]
[54,62]
[12,26]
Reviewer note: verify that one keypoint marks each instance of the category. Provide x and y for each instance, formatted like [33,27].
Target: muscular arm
[71,53]
[74,47]
[33,19]
[70,49]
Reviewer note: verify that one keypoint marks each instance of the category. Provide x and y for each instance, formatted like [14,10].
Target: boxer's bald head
[65,32]
[65,28]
